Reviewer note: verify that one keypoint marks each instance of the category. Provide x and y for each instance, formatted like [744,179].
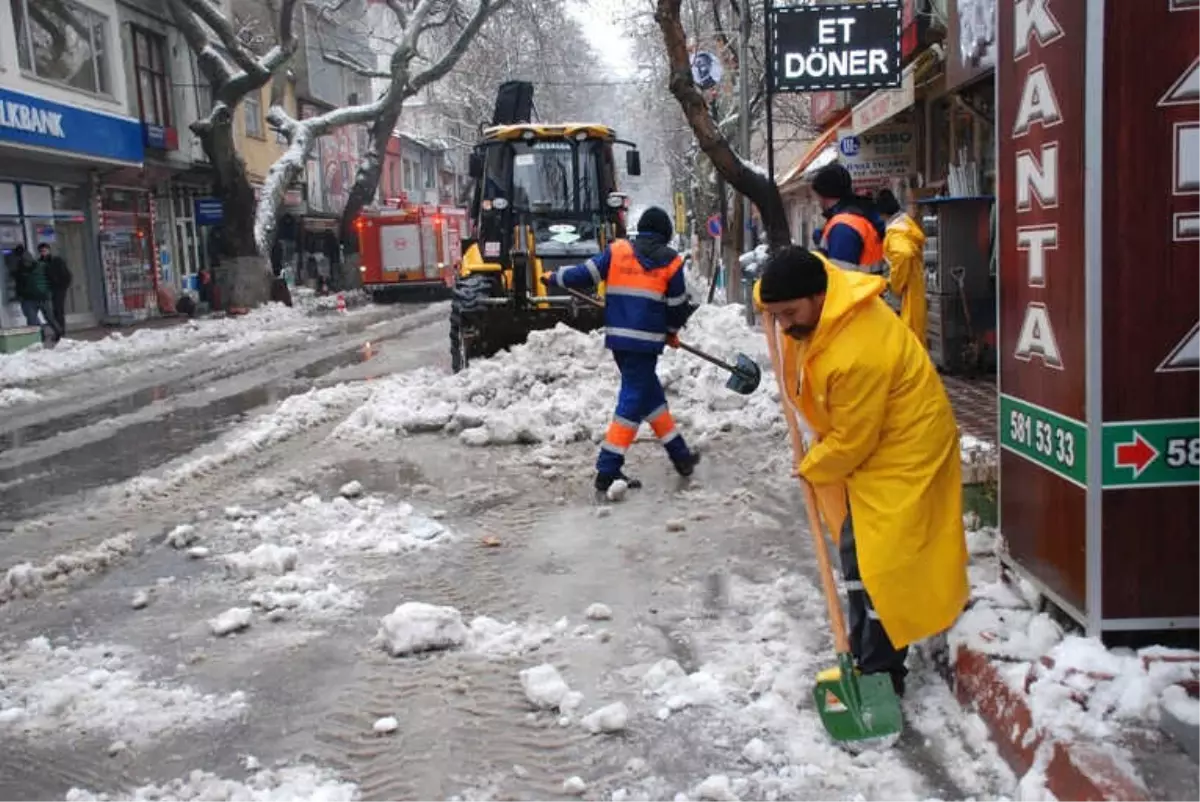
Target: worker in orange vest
[852,236]
[646,304]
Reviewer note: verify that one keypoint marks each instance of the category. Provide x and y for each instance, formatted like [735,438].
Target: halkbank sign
[35,122]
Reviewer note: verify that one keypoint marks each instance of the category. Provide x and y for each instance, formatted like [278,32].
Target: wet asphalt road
[88,439]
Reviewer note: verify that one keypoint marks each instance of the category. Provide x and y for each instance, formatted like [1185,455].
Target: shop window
[150,66]
[64,42]
[252,108]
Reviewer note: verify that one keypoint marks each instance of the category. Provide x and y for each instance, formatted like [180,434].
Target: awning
[825,140]
[827,156]
[884,104]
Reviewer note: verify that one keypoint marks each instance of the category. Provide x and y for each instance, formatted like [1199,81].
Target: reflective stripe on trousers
[663,424]
[869,643]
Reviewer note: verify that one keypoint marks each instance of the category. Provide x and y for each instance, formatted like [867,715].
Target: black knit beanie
[833,181]
[792,273]
[655,221]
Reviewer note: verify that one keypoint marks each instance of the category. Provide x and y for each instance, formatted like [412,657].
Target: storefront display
[127,253]
[31,214]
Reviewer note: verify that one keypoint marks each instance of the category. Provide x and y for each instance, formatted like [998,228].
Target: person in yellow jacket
[904,250]
[882,437]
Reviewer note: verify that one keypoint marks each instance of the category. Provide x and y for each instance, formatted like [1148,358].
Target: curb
[1075,770]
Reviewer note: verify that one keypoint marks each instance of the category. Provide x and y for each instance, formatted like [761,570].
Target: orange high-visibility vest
[871,260]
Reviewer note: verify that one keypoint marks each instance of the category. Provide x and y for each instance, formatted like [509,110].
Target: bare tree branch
[446,63]
[745,178]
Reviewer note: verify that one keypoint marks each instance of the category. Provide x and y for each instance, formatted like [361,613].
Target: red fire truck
[410,248]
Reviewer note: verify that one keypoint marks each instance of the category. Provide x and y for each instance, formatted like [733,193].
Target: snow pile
[415,627]
[194,338]
[232,620]
[610,718]
[560,387]
[291,534]
[17,396]
[290,558]
[282,784]
[751,695]
[544,687]
[307,299]
[1075,687]
[294,415]
[418,627]
[27,580]
[98,689]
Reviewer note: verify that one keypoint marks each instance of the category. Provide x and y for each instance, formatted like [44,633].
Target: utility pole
[744,126]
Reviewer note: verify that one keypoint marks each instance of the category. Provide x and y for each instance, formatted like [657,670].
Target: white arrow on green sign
[1155,453]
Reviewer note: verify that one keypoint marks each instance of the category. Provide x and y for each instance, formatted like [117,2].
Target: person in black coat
[60,279]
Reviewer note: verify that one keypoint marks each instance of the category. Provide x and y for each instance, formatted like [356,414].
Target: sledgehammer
[743,377]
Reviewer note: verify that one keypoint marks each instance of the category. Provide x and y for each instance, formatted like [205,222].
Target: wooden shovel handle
[841,641]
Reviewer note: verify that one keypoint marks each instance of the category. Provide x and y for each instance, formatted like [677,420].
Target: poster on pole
[835,47]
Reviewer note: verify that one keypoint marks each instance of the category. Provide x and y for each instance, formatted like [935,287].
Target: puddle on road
[135,449]
[128,404]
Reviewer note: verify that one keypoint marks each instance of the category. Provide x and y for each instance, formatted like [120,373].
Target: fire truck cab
[410,250]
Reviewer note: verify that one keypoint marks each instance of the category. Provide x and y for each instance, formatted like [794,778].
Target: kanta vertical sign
[1040,134]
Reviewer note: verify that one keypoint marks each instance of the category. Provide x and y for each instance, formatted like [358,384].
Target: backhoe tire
[465,301]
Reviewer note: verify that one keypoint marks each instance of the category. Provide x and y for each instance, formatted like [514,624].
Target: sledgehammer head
[745,376]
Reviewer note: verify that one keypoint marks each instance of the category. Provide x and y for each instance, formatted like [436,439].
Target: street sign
[1100,418]
[821,47]
[1053,442]
[209,211]
[714,226]
[1157,453]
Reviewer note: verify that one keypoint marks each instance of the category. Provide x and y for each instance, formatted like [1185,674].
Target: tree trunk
[750,181]
[366,179]
[243,277]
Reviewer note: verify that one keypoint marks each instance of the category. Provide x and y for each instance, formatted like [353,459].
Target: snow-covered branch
[302,136]
[446,63]
[222,27]
[200,21]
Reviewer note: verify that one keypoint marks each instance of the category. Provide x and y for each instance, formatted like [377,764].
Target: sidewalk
[974,402]
[94,333]
[1070,716]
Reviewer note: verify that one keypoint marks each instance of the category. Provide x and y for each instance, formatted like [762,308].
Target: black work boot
[687,465]
[605,480]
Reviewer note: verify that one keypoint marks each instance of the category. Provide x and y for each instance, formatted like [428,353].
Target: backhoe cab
[544,196]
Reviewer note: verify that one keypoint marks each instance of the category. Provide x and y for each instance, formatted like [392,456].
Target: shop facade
[932,143]
[52,159]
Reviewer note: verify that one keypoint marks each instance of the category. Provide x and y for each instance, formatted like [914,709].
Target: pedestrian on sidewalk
[33,290]
[646,304]
[60,279]
[883,452]
[852,235]
[904,249]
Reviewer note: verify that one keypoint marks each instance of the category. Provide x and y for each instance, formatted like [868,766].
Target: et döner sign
[816,48]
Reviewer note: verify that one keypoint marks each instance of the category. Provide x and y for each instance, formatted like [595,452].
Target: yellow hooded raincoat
[886,437]
[904,249]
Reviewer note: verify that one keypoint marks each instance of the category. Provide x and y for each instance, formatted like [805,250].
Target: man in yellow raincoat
[883,437]
[904,249]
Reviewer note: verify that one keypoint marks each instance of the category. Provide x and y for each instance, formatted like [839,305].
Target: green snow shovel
[744,377]
[856,709]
